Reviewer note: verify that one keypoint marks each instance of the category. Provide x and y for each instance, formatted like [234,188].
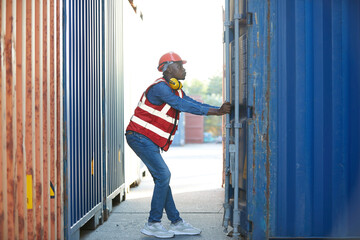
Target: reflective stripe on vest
[162,114]
[151,127]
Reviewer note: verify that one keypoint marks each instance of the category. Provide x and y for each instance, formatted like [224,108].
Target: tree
[195,88]
[211,93]
[215,85]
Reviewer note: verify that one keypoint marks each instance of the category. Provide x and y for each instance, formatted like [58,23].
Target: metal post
[227,99]
[236,214]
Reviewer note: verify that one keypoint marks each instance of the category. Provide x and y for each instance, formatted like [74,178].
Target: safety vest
[157,122]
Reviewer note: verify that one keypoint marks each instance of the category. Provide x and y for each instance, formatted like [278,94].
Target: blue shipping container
[93,113]
[304,138]
[83,131]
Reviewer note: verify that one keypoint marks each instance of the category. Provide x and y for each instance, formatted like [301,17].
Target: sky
[191,28]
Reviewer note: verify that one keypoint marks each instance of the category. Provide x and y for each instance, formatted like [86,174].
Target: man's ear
[167,72]
[170,69]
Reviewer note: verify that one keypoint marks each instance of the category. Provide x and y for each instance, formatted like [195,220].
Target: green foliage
[215,85]
[195,88]
[213,123]
[211,93]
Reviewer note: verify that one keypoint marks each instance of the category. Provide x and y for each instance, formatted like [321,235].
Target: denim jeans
[162,197]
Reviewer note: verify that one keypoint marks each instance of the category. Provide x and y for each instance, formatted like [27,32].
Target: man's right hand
[224,109]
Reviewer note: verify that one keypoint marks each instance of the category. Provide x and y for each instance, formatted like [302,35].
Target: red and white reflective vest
[157,122]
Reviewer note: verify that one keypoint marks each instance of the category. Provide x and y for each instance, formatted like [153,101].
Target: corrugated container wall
[304,138]
[31,188]
[61,141]
[114,103]
[93,112]
[83,113]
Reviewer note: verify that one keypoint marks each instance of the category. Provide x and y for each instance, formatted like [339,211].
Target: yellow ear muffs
[175,84]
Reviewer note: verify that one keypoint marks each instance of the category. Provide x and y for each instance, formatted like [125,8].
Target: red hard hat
[168,58]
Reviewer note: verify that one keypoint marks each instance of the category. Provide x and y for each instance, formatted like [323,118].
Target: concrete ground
[196,186]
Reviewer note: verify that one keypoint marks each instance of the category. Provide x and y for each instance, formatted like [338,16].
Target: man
[152,127]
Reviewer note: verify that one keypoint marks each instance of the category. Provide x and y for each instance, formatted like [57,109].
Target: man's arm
[162,93]
[194,101]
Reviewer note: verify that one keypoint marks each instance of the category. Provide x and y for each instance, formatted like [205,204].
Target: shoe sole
[183,233]
[148,233]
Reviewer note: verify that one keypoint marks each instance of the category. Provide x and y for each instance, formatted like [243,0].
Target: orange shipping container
[31,191]
[194,126]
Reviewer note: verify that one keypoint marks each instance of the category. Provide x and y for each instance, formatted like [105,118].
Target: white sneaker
[156,230]
[183,228]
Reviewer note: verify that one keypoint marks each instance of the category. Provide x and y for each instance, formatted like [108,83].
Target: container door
[236,179]
[304,144]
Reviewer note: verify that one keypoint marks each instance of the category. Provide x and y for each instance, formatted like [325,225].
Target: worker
[152,128]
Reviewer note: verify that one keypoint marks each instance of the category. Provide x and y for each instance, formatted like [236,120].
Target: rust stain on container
[9,109]
[29,154]
[3,186]
[20,203]
[2,127]
[44,115]
[38,204]
[58,137]
[29,121]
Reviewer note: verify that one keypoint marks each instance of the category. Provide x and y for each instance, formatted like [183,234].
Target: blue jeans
[162,197]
